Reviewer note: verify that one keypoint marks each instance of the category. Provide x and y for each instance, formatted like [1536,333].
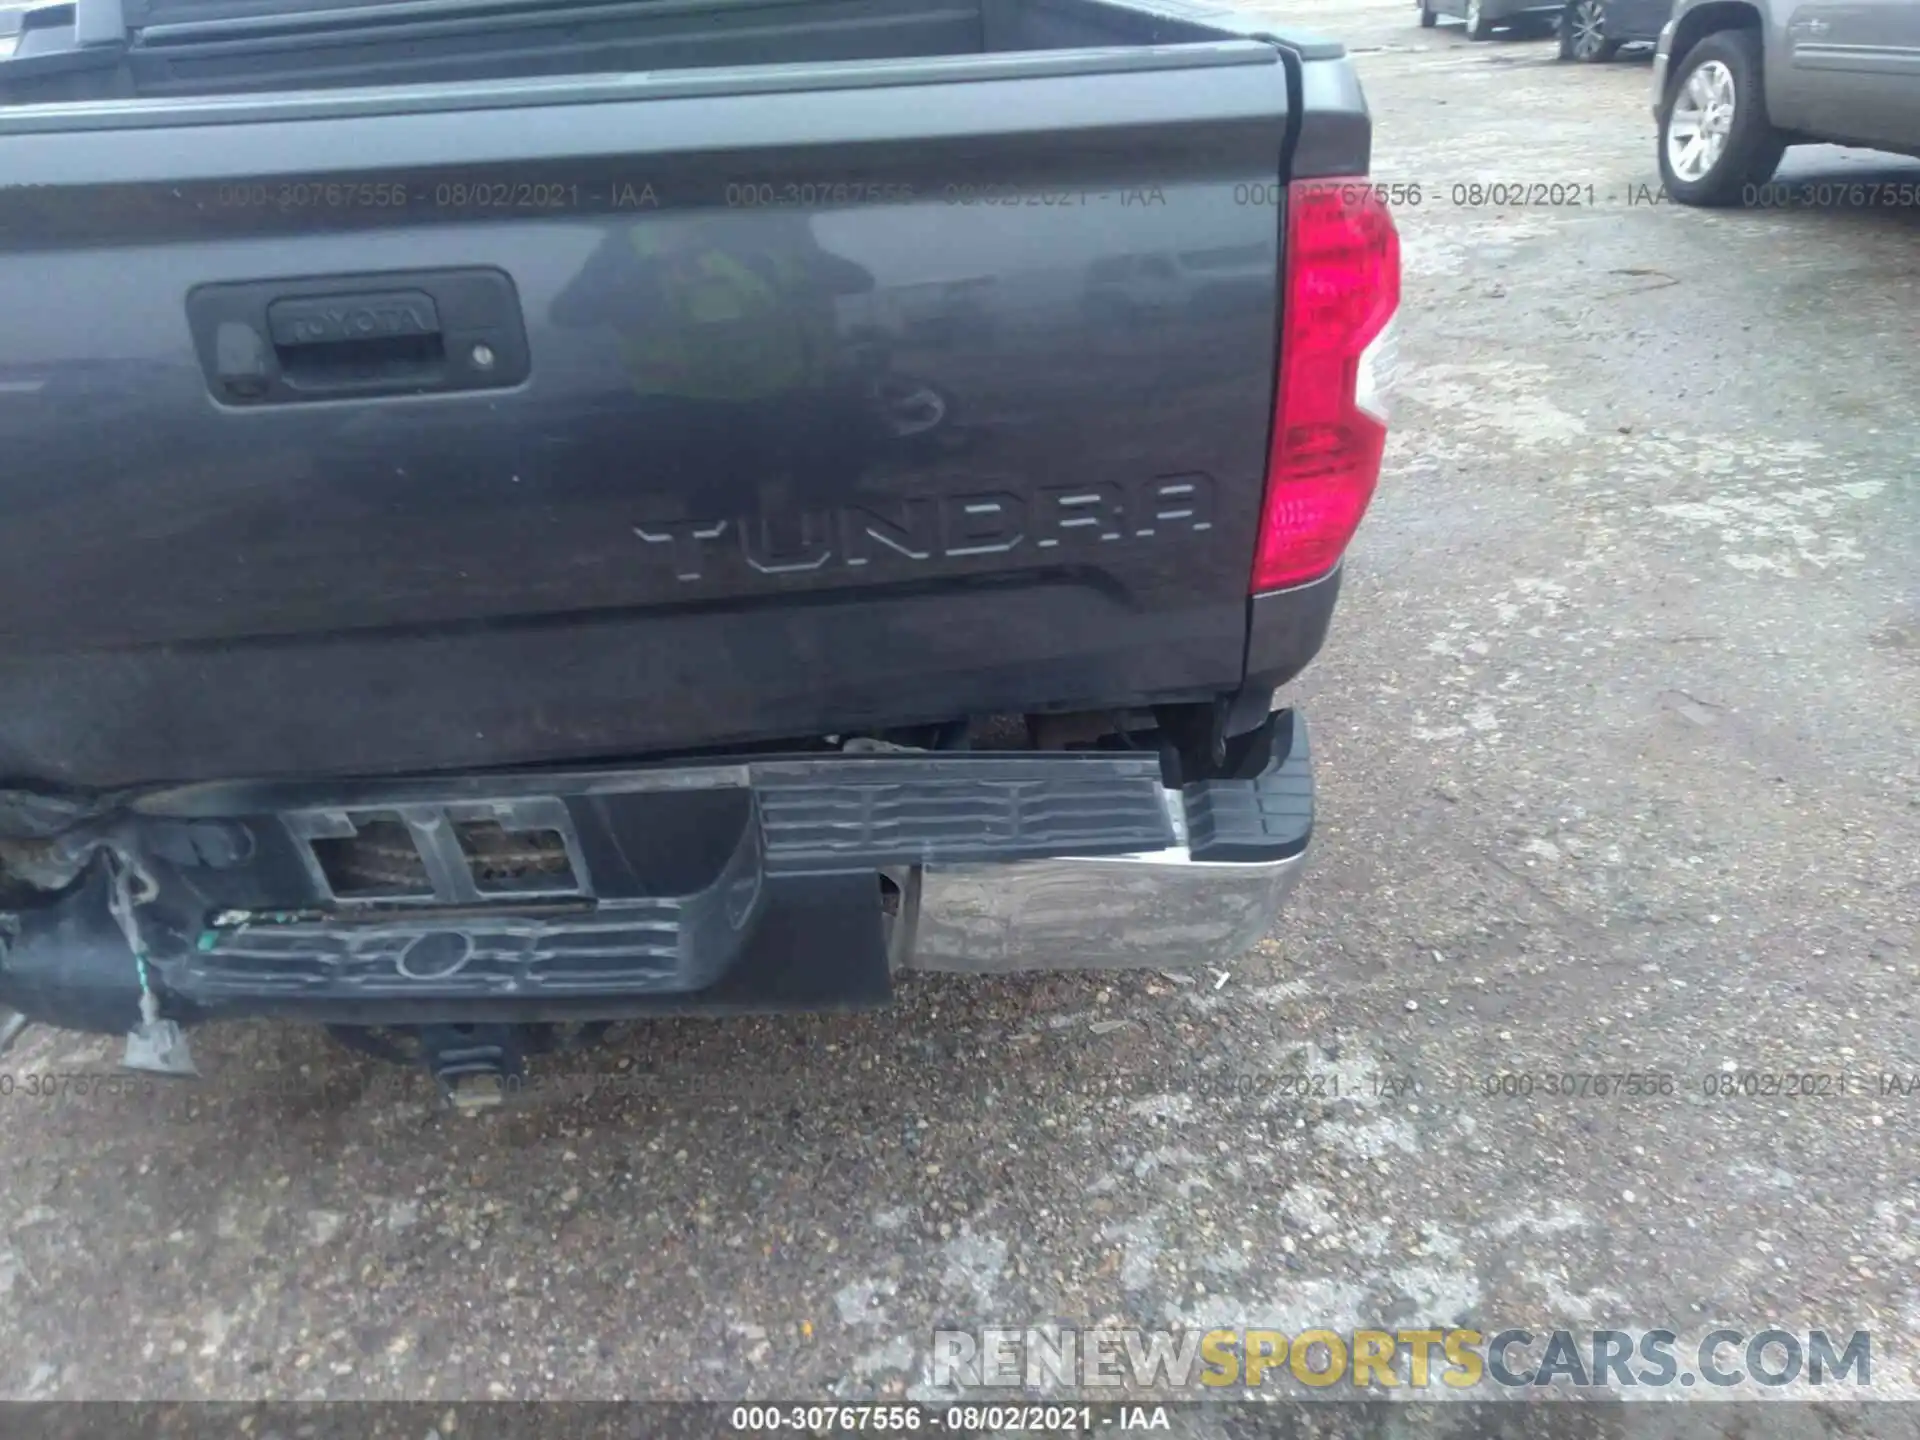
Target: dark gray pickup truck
[526,513]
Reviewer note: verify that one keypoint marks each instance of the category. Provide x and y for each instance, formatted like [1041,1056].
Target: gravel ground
[1617,745]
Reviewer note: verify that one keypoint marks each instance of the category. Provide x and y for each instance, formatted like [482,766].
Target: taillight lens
[1341,288]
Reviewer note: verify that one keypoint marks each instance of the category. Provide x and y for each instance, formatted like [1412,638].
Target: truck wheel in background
[1583,32]
[1715,138]
[1427,18]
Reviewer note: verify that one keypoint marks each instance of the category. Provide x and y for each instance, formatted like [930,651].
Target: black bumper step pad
[1267,819]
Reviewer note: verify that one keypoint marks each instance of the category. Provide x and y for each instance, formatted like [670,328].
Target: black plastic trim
[1267,819]
[1286,628]
[927,811]
[819,946]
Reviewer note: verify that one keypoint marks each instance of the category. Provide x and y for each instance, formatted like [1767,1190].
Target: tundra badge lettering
[987,522]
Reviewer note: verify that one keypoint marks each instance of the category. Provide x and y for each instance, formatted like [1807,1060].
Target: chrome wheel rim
[1473,14]
[1701,122]
[1589,29]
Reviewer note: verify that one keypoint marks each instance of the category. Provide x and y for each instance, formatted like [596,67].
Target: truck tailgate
[591,418]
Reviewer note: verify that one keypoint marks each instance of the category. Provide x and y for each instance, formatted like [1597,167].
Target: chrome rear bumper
[1129,912]
[1239,849]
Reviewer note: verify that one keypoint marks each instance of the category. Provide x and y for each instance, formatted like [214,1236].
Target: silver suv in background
[1735,82]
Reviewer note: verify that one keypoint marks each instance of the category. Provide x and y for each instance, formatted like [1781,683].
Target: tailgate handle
[361,342]
[327,338]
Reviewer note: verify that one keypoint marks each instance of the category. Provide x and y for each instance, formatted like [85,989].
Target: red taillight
[1329,426]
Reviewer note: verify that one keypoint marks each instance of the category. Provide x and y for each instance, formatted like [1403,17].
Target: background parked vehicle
[1483,17]
[1735,85]
[1594,30]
